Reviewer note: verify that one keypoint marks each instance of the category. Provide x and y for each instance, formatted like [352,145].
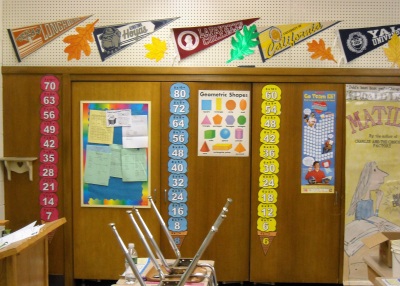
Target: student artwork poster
[115,154]
[318,142]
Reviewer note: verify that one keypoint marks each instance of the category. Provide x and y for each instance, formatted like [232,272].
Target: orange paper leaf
[80,43]
[320,51]
[393,51]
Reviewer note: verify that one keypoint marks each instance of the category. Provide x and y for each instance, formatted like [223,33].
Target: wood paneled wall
[21,103]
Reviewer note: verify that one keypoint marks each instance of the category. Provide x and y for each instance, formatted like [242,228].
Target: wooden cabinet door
[96,253]
[307,245]
[211,180]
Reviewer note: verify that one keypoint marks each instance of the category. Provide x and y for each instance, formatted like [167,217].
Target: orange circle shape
[230,104]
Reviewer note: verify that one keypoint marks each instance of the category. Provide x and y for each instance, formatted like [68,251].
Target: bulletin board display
[115,153]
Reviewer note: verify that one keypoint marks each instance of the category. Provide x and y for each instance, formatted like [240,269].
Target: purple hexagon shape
[230,120]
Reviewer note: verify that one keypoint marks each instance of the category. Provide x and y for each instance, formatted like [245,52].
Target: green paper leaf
[244,42]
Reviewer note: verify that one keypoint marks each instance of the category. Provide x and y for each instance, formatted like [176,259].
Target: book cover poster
[318,145]
[372,171]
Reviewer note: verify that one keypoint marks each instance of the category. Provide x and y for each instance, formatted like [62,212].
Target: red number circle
[48,214]
[49,83]
[49,98]
[48,185]
[49,113]
[48,200]
[49,128]
[48,171]
[49,142]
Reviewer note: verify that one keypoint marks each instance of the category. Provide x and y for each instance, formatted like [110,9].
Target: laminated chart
[224,119]
[177,165]
[49,130]
[269,165]
[318,146]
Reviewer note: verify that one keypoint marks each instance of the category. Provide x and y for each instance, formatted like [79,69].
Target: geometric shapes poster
[224,119]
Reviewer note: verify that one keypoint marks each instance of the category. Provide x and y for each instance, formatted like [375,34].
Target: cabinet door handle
[336,198]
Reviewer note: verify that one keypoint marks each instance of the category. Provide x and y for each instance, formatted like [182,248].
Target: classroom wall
[351,13]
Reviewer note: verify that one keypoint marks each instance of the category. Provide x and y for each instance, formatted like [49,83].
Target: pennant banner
[29,39]
[357,42]
[113,39]
[277,39]
[191,40]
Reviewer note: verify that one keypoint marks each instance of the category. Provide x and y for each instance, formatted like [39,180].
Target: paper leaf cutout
[244,43]
[320,51]
[393,51]
[78,43]
[156,49]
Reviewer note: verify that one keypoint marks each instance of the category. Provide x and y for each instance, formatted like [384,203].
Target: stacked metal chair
[180,270]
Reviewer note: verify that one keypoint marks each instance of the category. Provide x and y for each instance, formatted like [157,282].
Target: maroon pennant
[191,40]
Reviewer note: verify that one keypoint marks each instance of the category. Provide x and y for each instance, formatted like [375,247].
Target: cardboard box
[383,239]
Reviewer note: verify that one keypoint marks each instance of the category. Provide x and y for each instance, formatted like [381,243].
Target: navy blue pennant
[357,42]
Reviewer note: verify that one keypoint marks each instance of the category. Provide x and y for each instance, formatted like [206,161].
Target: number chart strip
[269,165]
[177,165]
[49,130]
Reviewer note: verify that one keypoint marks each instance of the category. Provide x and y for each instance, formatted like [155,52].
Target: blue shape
[179,106]
[176,151]
[177,166]
[177,224]
[178,137]
[225,133]
[179,91]
[179,122]
[206,104]
[178,210]
[178,181]
[177,195]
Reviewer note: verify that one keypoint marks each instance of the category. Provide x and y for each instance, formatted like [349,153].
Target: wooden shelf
[18,165]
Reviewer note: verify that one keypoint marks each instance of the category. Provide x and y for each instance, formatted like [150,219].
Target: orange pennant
[29,39]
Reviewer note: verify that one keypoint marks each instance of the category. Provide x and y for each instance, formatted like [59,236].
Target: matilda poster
[372,171]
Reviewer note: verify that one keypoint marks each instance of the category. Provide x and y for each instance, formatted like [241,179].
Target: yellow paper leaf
[393,51]
[79,43]
[156,49]
[320,51]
